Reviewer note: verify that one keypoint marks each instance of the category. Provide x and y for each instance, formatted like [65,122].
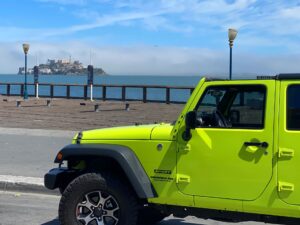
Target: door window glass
[293,107]
[240,106]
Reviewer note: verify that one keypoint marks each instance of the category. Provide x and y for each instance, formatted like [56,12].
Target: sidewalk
[64,114]
[24,184]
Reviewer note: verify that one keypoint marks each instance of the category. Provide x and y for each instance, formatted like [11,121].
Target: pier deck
[71,114]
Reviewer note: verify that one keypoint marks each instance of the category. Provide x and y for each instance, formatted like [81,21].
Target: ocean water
[131,93]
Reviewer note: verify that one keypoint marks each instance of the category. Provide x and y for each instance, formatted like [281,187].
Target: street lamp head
[231,36]
[25,48]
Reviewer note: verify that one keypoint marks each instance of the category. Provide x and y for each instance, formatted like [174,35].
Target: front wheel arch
[124,157]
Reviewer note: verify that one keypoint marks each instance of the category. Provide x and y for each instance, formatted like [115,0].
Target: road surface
[28,152]
[36,209]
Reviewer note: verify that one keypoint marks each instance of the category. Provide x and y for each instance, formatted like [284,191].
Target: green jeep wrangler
[231,155]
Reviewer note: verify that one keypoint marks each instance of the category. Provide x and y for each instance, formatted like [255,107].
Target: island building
[62,67]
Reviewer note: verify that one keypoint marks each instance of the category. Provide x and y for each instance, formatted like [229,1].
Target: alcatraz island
[62,67]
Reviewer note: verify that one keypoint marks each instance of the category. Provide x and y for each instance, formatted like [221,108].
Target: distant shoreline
[80,74]
[83,72]
[61,67]
[62,74]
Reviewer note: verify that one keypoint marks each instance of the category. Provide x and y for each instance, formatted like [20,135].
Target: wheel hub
[98,212]
[99,207]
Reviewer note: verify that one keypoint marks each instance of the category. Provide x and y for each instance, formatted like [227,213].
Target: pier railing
[142,93]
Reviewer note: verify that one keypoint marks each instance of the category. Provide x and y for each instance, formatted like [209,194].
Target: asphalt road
[30,153]
[34,209]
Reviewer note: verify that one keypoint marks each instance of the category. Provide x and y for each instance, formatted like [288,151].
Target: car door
[289,142]
[230,152]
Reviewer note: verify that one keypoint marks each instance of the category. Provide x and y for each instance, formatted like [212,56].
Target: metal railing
[92,92]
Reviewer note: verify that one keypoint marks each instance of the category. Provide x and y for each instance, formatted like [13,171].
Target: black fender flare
[123,155]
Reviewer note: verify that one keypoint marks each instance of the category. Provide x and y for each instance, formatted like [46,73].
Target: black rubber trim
[225,215]
[54,178]
[288,76]
[208,79]
[123,155]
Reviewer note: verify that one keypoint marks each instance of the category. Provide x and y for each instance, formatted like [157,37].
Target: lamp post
[25,49]
[231,36]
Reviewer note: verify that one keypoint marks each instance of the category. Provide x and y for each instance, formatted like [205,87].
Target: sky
[154,37]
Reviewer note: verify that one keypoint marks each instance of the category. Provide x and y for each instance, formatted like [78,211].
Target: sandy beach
[69,114]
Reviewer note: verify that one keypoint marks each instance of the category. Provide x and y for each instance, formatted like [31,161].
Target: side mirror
[190,123]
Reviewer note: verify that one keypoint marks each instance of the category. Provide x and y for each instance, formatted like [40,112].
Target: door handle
[257,144]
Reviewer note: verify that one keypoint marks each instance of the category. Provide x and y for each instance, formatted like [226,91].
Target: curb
[25,185]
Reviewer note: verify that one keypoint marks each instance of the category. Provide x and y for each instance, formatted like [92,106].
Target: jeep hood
[138,132]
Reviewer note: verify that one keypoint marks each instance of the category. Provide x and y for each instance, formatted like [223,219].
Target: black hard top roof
[281,76]
[288,76]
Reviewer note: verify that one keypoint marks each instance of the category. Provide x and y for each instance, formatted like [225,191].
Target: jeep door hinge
[181,178]
[184,148]
[284,186]
[285,152]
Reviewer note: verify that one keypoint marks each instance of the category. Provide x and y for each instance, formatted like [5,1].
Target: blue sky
[159,37]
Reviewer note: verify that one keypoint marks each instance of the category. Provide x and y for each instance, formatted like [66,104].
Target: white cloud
[279,18]
[17,33]
[291,13]
[156,12]
[146,60]
[157,23]
[262,24]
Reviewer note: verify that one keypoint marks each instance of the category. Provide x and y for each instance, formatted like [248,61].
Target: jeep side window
[293,107]
[240,106]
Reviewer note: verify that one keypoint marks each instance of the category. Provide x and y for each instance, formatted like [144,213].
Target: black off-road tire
[90,182]
[149,216]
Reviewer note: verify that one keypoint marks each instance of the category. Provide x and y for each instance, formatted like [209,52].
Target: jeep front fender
[121,154]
